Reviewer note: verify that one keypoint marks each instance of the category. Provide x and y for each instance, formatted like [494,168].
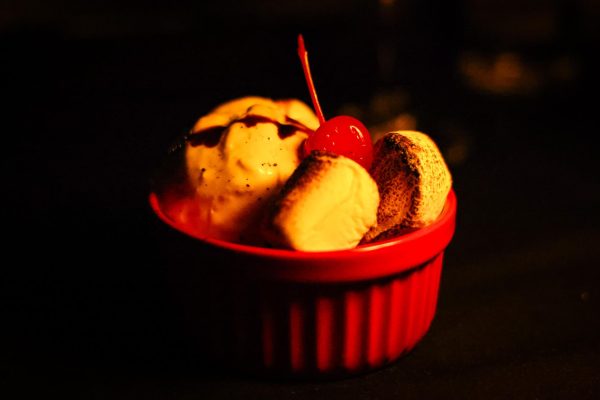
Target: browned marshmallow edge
[413,181]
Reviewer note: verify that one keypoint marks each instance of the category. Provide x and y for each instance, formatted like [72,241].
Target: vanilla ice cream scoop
[237,158]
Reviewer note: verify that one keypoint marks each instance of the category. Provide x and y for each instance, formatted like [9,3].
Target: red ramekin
[314,314]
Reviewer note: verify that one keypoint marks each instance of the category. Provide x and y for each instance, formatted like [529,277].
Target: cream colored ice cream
[237,158]
[329,203]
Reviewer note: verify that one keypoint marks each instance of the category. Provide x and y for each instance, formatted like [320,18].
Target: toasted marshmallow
[328,203]
[413,180]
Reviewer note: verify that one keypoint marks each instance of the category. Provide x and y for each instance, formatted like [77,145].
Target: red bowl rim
[445,222]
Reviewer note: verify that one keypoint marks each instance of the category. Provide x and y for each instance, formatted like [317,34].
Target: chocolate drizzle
[210,137]
[252,120]
[285,131]
[298,125]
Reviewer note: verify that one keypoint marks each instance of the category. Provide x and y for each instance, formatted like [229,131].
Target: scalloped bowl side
[307,314]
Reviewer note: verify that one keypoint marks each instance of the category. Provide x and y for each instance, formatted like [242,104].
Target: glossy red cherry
[345,136]
[341,135]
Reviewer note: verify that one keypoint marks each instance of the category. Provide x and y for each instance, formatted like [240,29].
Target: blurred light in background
[395,64]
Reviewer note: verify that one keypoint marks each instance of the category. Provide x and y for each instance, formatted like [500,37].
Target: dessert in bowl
[296,247]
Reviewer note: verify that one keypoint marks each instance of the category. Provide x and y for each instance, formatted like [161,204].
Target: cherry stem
[303,54]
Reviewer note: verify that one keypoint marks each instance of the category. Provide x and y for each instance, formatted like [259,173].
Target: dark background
[94,93]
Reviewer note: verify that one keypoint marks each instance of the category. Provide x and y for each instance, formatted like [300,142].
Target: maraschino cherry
[341,135]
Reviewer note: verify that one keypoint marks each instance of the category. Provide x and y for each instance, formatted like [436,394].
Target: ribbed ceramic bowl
[315,314]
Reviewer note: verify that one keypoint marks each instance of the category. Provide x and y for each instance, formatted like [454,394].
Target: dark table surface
[87,312]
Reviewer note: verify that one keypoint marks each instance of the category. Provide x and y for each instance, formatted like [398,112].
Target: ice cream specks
[238,156]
